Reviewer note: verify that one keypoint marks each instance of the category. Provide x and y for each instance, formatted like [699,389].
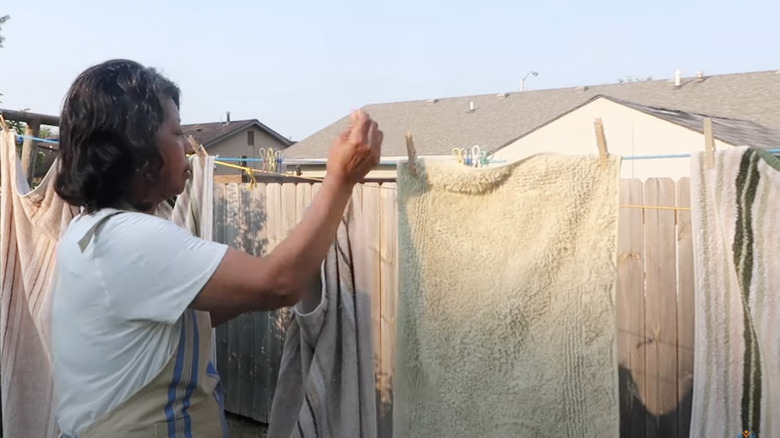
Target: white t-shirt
[117,307]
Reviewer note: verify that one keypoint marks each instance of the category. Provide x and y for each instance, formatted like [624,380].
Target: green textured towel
[506,317]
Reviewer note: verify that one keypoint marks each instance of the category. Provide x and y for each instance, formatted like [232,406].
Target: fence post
[244,174]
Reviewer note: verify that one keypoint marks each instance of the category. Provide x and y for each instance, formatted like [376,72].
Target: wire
[628,157]
[655,207]
[42,140]
[253,171]
[656,157]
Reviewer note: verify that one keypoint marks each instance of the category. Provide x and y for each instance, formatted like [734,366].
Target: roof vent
[502,94]
[433,100]
[471,106]
[677,78]
[228,118]
[699,76]
[581,89]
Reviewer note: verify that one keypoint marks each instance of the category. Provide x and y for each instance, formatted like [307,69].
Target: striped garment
[326,380]
[30,225]
[736,387]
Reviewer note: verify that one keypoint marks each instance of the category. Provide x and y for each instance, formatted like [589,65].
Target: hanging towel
[325,387]
[194,210]
[506,318]
[736,241]
[30,225]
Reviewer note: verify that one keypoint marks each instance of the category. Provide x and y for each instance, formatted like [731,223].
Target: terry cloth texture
[736,240]
[326,380]
[506,319]
[30,226]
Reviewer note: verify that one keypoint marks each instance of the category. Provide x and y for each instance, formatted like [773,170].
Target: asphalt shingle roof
[732,131]
[442,124]
[209,133]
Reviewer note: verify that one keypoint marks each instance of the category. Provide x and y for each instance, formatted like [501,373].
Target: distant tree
[3,19]
[21,128]
[635,79]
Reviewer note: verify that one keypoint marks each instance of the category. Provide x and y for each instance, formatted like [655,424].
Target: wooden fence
[654,299]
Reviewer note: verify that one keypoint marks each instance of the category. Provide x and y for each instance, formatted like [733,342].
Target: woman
[130,347]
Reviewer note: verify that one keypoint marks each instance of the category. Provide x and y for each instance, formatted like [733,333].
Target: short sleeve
[151,268]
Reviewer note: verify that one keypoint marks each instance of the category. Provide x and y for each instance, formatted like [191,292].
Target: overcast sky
[297,66]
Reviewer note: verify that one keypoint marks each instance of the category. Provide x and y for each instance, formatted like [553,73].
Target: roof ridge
[222,122]
[574,87]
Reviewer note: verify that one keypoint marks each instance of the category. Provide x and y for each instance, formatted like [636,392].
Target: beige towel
[30,225]
[326,379]
[506,318]
[736,240]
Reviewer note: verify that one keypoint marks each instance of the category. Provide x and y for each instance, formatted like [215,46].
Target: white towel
[506,318]
[736,238]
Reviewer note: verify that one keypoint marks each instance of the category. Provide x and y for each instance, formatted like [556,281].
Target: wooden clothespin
[709,144]
[196,147]
[3,124]
[601,140]
[410,150]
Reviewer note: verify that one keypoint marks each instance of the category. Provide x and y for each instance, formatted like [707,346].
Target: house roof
[439,125]
[208,134]
[735,132]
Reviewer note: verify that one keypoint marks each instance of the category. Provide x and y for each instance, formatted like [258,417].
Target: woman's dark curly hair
[108,128]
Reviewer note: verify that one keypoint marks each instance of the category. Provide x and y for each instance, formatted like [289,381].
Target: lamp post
[522,81]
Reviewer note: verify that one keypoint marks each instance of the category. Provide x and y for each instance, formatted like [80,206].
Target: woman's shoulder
[122,228]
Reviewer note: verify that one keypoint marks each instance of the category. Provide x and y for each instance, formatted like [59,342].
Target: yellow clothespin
[460,155]
[253,181]
[410,150]
[709,144]
[601,140]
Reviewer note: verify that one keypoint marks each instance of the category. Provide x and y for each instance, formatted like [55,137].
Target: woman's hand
[356,151]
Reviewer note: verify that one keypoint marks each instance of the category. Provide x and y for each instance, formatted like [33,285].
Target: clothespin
[253,181]
[196,147]
[709,144]
[412,154]
[3,124]
[601,140]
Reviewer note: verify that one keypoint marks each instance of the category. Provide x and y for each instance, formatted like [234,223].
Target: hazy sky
[297,66]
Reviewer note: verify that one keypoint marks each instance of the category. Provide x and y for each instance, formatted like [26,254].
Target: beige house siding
[628,132]
[237,145]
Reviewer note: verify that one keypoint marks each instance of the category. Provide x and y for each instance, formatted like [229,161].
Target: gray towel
[326,381]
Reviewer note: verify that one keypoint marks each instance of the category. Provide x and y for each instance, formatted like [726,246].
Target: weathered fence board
[654,298]
[630,303]
[685,309]
[389,292]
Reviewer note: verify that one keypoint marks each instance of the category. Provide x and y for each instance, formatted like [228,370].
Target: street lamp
[522,81]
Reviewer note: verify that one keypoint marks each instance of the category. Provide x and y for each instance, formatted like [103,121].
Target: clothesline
[251,173]
[627,157]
